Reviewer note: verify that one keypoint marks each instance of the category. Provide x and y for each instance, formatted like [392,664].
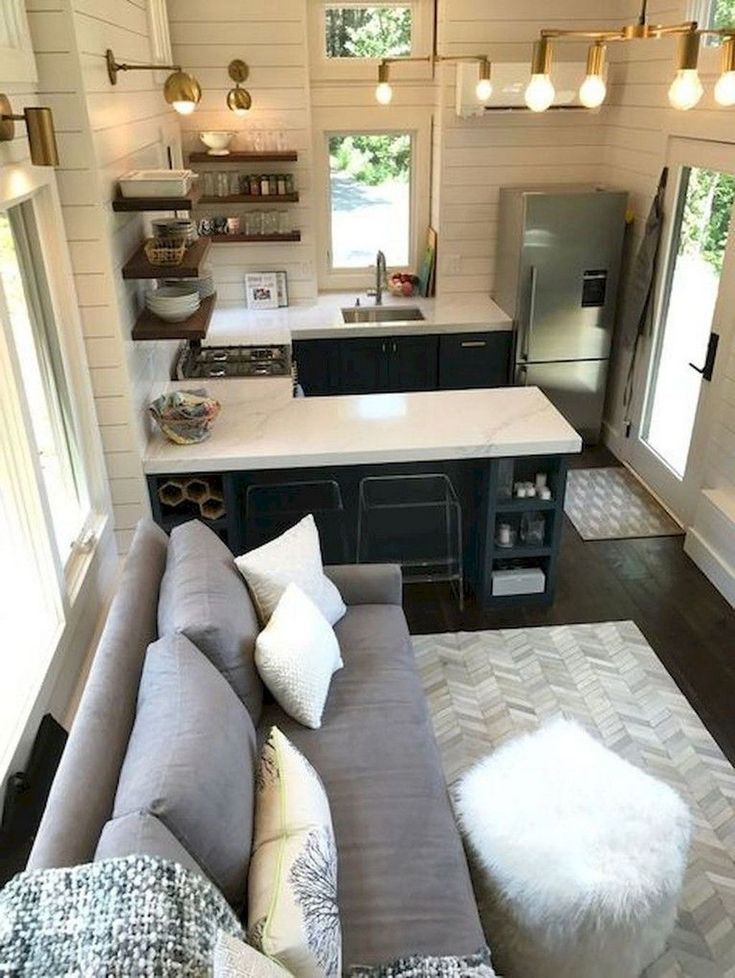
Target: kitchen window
[42,385]
[713,13]
[370,199]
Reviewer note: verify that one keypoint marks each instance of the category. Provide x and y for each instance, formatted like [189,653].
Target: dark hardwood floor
[650,581]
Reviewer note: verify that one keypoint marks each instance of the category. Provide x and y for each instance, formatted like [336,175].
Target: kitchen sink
[381,314]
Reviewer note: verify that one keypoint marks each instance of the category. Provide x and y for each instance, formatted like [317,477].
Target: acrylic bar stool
[272,509]
[414,521]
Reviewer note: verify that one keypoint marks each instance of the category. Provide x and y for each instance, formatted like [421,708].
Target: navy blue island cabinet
[504,538]
[415,362]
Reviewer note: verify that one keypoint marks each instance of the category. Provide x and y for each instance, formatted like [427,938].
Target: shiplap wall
[475,157]
[272,39]
[103,132]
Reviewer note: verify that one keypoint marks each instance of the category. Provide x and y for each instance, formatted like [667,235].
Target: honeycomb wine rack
[208,497]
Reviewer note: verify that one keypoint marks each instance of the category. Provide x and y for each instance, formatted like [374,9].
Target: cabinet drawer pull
[468,344]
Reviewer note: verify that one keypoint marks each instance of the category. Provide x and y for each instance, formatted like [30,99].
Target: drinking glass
[209,183]
[270,222]
[234,184]
[284,222]
[254,222]
[258,140]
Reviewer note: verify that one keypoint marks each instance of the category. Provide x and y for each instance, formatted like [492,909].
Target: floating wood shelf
[126,205]
[254,238]
[510,553]
[138,266]
[246,156]
[524,505]
[251,199]
[149,327]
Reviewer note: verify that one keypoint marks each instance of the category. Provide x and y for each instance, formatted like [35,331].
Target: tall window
[42,389]
[370,178]
[374,31]
[714,13]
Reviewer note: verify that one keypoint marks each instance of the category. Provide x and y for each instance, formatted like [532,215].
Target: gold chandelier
[686,89]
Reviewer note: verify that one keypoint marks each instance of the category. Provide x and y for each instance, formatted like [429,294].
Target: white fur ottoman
[584,853]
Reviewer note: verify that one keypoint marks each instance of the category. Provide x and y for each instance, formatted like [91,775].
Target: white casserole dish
[156,183]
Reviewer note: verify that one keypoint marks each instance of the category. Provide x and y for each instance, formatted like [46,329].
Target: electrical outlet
[453,264]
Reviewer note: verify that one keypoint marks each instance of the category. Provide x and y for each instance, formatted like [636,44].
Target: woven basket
[165,251]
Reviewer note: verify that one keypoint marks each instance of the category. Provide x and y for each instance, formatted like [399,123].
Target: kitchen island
[265,437]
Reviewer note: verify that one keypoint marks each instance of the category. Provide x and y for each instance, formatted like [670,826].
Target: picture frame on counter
[266,290]
[261,290]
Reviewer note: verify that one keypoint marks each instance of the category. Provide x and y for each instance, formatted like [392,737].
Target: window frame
[323,68]
[27,184]
[375,122]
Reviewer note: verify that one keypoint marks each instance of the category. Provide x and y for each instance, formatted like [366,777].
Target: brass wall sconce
[239,100]
[40,128]
[686,89]
[483,90]
[181,91]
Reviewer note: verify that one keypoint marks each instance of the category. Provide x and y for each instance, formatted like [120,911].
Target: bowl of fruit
[403,284]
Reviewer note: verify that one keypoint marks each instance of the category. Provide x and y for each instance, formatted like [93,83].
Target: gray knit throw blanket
[135,916]
[475,966]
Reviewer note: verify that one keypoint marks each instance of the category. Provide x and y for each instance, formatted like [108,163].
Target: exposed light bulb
[686,89]
[592,91]
[384,93]
[184,108]
[539,93]
[484,90]
[725,89]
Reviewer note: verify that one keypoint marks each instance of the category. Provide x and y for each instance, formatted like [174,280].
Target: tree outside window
[368,32]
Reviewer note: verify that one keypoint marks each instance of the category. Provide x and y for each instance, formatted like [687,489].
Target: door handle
[707,371]
[473,344]
[523,372]
[531,314]
[395,347]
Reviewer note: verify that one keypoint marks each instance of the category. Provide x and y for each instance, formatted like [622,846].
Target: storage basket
[165,251]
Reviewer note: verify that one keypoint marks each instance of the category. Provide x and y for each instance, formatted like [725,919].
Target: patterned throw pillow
[235,959]
[296,654]
[293,558]
[292,883]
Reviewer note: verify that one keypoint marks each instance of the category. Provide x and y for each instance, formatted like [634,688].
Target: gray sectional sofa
[404,886]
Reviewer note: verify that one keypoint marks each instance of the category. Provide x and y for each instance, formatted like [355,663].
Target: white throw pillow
[235,959]
[292,882]
[293,558]
[296,654]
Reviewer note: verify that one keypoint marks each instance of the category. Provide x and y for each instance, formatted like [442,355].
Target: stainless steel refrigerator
[558,266]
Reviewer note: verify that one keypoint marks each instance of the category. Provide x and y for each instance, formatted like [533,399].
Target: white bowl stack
[204,284]
[174,303]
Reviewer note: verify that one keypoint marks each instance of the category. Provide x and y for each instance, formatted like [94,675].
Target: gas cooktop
[197,362]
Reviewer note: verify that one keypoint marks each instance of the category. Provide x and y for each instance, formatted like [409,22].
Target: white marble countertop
[321,319]
[263,427]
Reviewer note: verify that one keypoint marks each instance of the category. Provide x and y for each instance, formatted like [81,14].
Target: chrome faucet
[381,278]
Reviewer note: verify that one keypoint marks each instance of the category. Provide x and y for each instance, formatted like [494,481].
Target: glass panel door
[679,373]
[700,235]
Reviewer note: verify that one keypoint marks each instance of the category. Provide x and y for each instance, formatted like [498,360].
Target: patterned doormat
[486,687]
[611,504]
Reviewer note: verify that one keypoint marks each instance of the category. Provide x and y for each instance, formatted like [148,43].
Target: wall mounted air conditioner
[509,85]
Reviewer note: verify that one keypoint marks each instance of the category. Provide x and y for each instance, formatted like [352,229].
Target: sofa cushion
[296,654]
[292,884]
[191,761]
[203,596]
[295,557]
[404,885]
[142,834]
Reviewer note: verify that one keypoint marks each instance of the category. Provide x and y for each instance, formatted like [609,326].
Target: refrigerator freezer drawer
[576,388]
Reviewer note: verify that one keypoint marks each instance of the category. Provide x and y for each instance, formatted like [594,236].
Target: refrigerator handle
[531,314]
[523,375]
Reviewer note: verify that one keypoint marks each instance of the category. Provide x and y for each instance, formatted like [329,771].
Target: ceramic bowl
[217,142]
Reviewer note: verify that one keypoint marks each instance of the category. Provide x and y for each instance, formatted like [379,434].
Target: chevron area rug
[611,504]
[486,687]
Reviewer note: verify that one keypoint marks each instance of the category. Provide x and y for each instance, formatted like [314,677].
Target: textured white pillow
[292,881]
[293,558]
[296,654]
[235,959]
